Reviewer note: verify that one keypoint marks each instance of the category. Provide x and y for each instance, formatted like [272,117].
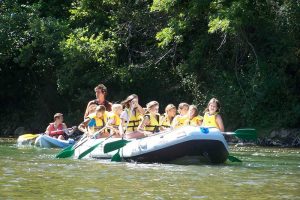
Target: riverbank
[287,138]
[281,138]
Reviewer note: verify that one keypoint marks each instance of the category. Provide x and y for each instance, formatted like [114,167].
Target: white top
[124,115]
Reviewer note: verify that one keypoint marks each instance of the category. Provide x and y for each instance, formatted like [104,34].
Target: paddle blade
[116,157]
[86,152]
[246,134]
[28,136]
[66,152]
[108,147]
[233,159]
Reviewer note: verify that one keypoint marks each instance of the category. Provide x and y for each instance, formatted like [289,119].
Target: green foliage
[245,53]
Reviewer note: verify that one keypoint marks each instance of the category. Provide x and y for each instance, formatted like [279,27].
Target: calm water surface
[33,173]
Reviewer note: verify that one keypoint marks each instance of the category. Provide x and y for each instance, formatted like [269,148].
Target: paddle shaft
[228,133]
[118,153]
[66,131]
[78,145]
[24,135]
[69,151]
[129,116]
[246,133]
[91,149]
[86,137]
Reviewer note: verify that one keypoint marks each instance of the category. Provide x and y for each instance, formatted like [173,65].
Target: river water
[33,173]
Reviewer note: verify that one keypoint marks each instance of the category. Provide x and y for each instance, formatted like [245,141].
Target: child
[98,122]
[211,116]
[92,113]
[91,110]
[167,118]
[114,119]
[181,119]
[150,123]
[131,117]
[194,118]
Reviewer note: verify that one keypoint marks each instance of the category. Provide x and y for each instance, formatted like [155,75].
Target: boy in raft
[131,117]
[150,123]
[58,129]
[182,119]
[91,110]
[211,115]
[194,118]
[98,123]
[92,113]
[167,119]
[114,120]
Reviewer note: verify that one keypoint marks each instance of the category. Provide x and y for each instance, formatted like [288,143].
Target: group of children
[131,120]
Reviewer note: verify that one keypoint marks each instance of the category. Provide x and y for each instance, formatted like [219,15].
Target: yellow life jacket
[101,122]
[92,115]
[165,121]
[210,120]
[195,120]
[134,121]
[181,120]
[115,118]
[153,126]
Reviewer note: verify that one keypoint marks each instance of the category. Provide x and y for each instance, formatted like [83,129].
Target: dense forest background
[243,52]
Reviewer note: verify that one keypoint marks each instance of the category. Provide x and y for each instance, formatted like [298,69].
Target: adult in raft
[150,123]
[101,93]
[58,129]
[131,117]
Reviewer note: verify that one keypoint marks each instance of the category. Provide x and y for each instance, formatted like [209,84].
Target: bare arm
[200,122]
[140,109]
[220,123]
[64,126]
[143,123]
[87,110]
[83,126]
[174,122]
[123,121]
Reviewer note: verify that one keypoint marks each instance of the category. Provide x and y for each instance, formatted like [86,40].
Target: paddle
[109,147]
[118,144]
[89,150]
[246,134]
[116,157]
[30,136]
[69,151]
[233,159]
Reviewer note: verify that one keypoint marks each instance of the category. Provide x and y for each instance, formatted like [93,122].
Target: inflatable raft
[44,141]
[207,144]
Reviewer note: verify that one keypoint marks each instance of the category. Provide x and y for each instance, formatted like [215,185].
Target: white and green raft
[203,143]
